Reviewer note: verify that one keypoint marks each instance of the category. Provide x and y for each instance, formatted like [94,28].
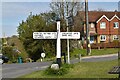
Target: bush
[116,42]
[63,70]
[12,55]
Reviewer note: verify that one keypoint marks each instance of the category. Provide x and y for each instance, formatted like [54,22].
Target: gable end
[102,17]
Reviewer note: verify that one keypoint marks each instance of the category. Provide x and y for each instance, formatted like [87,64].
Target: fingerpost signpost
[57,35]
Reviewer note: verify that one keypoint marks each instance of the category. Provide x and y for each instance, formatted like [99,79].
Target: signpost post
[57,35]
[58,44]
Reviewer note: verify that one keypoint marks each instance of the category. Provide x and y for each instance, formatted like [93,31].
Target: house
[104,26]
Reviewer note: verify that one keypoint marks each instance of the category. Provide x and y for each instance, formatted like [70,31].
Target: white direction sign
[42,55]
[44,35]
[56,35]
[53,35]
[69,35]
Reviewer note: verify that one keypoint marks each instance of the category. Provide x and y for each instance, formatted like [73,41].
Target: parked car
[3,59]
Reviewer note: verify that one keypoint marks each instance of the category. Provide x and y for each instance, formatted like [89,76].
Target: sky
[12,13]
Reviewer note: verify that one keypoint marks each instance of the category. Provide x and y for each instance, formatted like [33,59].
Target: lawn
[82,70]
[94,51]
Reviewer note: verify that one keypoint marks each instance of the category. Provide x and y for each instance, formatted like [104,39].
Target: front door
[92,38]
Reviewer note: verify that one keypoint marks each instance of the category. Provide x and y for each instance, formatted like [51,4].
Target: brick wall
[103,31]
[114,31]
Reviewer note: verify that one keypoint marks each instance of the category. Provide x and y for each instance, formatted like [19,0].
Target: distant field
[82,70]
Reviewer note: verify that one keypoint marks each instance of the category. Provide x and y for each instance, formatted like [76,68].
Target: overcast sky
[14,12]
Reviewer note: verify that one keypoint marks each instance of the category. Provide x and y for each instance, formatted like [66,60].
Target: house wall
[103,31]
[107,38]
[92,29]
[98,39]
[114,31]
[109,31]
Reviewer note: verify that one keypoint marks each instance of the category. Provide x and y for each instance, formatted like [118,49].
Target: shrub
[8,51]
[116,42]
[63,70]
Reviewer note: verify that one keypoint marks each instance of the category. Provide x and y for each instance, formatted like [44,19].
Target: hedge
[104,45]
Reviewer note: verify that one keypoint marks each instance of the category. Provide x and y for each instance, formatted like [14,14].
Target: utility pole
[68,44]
[87,29]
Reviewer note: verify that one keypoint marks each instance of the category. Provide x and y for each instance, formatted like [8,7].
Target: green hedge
[114,44]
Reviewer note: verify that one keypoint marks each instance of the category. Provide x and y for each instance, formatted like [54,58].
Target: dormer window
[115,24]
[102,25]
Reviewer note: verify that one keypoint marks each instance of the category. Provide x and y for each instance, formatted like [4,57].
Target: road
[16,70]
[96,58]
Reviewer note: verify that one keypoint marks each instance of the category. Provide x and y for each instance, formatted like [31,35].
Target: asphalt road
[96,58]
[16,70]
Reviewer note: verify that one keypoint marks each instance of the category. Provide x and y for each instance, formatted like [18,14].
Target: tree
[0,45]
[36,23]
[18,47]
[64,9]
[10,53]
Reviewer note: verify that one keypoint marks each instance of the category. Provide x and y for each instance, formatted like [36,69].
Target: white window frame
[104,38]
[92,25]
[115,25]
[101,25]
[115,37]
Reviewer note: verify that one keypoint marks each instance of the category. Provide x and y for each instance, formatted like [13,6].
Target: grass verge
[94,52]
[82,70]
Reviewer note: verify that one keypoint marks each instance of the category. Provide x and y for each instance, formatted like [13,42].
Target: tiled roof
[95,15]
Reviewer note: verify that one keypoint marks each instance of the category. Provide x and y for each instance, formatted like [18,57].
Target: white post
[68,49]
[58,43]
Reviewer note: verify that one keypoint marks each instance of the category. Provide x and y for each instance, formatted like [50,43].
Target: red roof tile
[95,15]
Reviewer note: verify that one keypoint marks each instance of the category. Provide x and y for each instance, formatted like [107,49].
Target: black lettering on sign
[48,33]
